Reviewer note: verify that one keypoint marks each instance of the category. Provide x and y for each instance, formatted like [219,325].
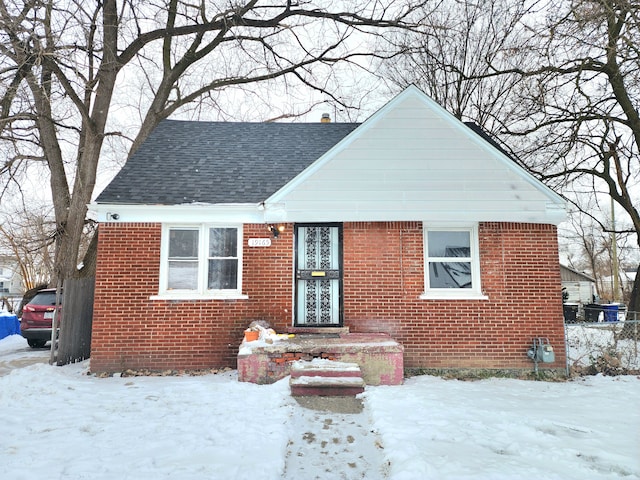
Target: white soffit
[412,160]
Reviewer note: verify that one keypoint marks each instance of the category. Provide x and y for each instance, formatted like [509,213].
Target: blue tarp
[9,324]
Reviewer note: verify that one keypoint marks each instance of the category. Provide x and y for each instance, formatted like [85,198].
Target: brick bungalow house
[411,223]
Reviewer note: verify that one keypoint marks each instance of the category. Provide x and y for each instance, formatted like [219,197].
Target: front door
[318,275]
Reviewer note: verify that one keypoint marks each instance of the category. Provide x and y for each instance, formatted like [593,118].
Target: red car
[37,317]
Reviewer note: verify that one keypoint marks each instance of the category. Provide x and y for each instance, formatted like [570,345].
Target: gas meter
[541,351]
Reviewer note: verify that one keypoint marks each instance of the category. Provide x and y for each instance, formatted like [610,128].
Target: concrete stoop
[326,378]
[379,356]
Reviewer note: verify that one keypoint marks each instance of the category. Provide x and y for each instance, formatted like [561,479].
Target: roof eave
[184,213]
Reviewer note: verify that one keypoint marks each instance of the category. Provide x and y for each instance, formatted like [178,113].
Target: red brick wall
[132,331]
[520,274]
[383,278]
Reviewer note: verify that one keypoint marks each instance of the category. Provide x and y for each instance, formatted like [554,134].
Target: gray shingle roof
[219,162]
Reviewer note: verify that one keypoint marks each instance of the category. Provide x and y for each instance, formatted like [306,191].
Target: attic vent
[325,118]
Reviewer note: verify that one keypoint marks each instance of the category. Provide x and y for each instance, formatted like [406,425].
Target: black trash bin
[570,311]
[592,312]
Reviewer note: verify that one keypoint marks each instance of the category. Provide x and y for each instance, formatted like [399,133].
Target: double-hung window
[452,265]
[201,261]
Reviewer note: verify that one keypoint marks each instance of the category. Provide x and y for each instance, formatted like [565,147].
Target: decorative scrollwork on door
[318,275]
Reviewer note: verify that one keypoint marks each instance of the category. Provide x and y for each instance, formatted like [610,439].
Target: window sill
[453,296]
[196,296]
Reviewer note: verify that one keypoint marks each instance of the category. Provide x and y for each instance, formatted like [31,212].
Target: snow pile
[266,336]
[12,343]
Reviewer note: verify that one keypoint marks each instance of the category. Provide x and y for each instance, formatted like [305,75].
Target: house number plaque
[259,242]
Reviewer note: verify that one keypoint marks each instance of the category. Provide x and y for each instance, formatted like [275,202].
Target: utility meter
[541,351]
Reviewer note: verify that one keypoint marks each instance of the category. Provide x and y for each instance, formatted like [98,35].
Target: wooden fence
[74,342]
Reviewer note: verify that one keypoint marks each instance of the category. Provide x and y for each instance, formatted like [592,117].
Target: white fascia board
[274,213]
[449,218]
[556,213]
[185,213]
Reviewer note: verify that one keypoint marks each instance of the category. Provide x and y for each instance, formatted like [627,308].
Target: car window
[44,298]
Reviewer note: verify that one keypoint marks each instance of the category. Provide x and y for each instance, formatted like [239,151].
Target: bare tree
[462,39]
[29,236]
[63,61]
[580,105]
[560,85]
[584,244]
[590,249]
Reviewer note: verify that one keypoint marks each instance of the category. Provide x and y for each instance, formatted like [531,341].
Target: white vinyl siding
[412,160]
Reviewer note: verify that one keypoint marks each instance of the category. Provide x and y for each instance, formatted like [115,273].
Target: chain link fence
[601,340]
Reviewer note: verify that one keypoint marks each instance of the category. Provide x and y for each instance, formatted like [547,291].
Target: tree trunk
[631,326]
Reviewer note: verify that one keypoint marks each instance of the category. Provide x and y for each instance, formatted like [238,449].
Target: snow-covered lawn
[60,423]
[510,429]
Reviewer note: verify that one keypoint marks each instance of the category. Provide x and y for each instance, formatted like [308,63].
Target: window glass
[449,259]
[223,242]
[183,244]
[183,275]
[449,244]
[44,298]
[223,262]
[450,274]
[183,259]
[223,274]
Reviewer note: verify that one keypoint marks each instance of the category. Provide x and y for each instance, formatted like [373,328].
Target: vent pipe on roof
[325,118]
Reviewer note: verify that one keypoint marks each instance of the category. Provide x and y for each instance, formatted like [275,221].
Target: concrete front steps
[326,378]
[379,356]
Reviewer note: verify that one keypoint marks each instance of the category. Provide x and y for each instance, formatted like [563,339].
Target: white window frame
[201,292]
[473,293]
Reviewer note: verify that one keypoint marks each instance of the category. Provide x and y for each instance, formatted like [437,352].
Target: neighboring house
[10,283]
[10,279]
[411,224]
[580,287]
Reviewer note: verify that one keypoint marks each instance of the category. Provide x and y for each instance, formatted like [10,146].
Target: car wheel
[36,343]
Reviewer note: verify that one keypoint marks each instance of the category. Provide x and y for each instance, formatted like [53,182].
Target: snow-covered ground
[60,423]
[588,341]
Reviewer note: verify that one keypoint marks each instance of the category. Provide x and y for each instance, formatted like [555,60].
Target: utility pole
[614,255]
